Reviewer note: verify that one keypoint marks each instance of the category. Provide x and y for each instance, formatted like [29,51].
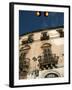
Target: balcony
[48,61]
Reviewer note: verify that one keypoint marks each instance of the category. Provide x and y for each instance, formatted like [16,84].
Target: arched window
[51,75]
[23,61]
[47,53]
[49,59]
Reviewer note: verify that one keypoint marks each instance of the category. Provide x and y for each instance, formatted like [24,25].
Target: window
[30,38]
[61,32]
[51,75]
[44,36]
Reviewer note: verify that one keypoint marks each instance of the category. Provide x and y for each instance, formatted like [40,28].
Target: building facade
[41,54]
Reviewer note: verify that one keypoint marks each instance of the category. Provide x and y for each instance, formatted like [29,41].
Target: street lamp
[38,13]
[46,13]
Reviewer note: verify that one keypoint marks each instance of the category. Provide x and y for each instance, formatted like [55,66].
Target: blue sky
[28,21]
